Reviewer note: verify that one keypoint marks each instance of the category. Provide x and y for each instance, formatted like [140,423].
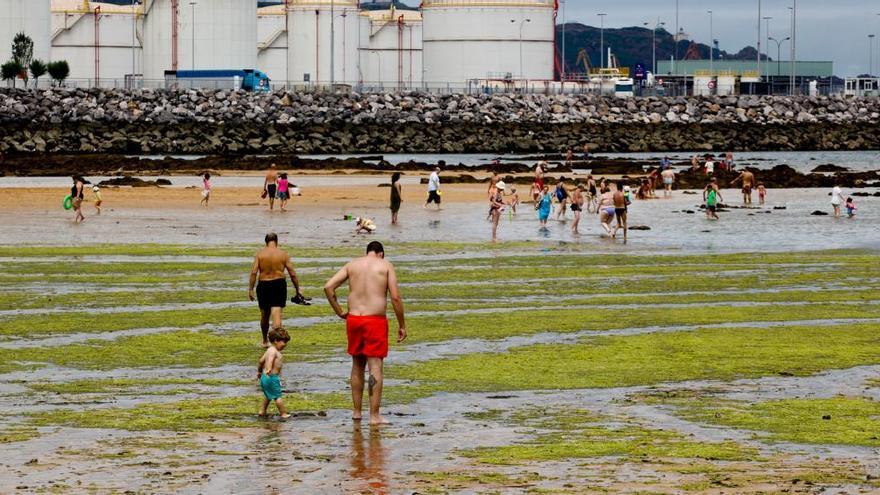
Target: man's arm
[289,265]
[330,291]
[254,270]
[396,303]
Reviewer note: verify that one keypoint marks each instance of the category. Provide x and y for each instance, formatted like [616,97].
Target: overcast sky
[835,30]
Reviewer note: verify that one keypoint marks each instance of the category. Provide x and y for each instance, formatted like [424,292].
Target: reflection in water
[368,460]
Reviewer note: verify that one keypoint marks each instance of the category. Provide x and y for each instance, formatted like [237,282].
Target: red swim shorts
[367,336]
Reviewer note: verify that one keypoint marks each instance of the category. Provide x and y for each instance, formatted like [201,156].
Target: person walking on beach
[271,294]
[668,176]
[836,200]
[592,194]
[577,206]
[99,200]
[396,196]
[621,205]
[283,190]
[569,157]
[496,207]
[269,373]
[270,185]
[434,188]
[371,280]
[606,209]
[544,204]
[748,183]
[76,194]
[712,197]
[562,198]
[206,189]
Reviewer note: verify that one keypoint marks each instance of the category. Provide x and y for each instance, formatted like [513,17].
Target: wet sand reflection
[368,461]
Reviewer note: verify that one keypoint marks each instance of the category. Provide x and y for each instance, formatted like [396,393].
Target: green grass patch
[838,420]
[581,434]
[18,434]
[598,362]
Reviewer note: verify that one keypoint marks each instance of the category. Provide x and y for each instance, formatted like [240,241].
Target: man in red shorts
[371,280]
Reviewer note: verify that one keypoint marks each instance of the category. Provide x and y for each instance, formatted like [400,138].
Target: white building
[480,39]
[272,52]
[391,48]
[30,17]
[99,53]
[198,34]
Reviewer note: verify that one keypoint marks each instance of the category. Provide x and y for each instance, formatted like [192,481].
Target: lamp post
[767,59]
[602,40]
[759,39]
[870,54]
[133,31]
[793,62]
[711,43]
[654,44]
[332,46]
[675,39]
[192,4]
[521,24]
[563,39]
[778,53]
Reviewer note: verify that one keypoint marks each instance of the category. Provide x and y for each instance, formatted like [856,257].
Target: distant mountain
[631,46]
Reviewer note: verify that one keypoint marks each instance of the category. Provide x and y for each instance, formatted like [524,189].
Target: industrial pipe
[97,14]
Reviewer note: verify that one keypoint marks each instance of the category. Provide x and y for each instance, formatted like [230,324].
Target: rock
[830,168]
[134,182]
[639,227]
[819,213]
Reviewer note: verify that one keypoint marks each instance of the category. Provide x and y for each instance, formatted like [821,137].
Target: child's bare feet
[378,420]
[285,416]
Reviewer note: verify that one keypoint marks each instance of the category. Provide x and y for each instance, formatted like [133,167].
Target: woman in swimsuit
[283,190]
[491,191]
[577,205]
[496,206]
[206,189]
[396,196]
[620,210]
[544,205]
[606,209]
[76,193]
[562,197]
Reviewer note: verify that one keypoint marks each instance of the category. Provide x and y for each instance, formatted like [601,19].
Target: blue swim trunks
[271,385]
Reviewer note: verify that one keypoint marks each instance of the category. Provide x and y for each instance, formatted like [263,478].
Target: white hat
[501,185]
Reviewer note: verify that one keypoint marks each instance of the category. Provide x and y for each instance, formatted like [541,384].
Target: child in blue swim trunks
[269,372]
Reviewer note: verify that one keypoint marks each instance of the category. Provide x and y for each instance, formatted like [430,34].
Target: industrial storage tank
[25,16]
[311,35]
[488,39]
[198,34]
[391,48]
[272,41]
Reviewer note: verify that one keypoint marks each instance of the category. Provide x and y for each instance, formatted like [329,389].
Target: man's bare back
[271,261]
[368,280]
[748,179]
[271,176]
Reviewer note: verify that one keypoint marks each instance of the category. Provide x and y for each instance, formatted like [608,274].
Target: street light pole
[192,4]
[521,24]
[133,31]
[563,39]
[870,54]
[711,43]
[332,46]
[675,38]
[778,53]
[793,44]
[602,40]
[759,39]
[767,59]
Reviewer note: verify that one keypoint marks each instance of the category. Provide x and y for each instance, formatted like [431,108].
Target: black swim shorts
[433,197]
[271,190]
[272,293]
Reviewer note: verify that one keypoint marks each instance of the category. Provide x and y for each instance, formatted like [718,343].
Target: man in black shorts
[434,188]
[270,185]
[269,266]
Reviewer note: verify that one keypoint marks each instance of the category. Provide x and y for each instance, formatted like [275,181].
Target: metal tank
[198,34]
[310,34]
[391,48]
[25,16]
[272,41]
[467,40]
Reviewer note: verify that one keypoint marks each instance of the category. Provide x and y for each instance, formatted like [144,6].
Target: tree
[10,70]
[38,70]
[23,53]
[59,70]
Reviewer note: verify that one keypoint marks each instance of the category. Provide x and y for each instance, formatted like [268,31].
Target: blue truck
[245,79]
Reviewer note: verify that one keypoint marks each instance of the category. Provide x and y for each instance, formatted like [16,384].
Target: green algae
[190,415]
[133,386]
[837,420]
[18,434]
[583,434]
[599,362]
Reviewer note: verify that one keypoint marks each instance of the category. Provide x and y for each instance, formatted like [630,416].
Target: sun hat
[501,185]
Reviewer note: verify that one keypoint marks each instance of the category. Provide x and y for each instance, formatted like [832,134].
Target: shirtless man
[270,186]
[269,265]
[668,176]
[748,182]
[370,280]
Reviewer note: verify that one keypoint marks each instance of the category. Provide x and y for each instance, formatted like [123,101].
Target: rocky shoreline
[234,123]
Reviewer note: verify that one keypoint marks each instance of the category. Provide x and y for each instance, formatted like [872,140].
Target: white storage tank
[479,39]
[272,42]
[30,17]
[198,34]
[102,53]
[391,48]
[310,33]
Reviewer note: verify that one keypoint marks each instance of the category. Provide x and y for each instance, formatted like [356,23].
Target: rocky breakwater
[222,122]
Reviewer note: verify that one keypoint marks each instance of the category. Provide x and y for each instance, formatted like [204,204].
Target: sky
[835,30]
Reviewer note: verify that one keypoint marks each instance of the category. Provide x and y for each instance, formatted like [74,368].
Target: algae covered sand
[108,346]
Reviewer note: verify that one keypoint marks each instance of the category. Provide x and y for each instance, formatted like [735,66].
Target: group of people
[371,280]
[277,186]
[74,201]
